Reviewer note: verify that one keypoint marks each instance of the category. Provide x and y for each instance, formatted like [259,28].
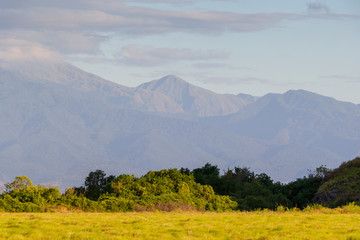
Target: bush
[71,200]
[167,187]
[314,207]
[341,186]
[9,204]
[351,207]
[115,204]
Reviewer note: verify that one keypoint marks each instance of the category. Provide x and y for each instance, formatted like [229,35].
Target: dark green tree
[96,184]
[250,190]
[207,175]
[301,192]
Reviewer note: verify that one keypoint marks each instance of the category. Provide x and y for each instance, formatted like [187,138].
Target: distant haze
[59,123]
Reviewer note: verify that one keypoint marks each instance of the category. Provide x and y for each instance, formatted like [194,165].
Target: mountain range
[59,123]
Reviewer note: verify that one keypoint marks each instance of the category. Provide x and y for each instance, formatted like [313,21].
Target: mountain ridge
[197,101]
[57,125]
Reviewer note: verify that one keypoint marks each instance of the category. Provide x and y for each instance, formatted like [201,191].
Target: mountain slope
[59,123]
[301,129]
[300,117]
[197,101]
[341,186]
[68,76]
[58,130]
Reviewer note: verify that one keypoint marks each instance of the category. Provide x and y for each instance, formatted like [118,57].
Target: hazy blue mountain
[58,123]
[68,76]
[299,117]
[197,101]
[299,126]
[58,129]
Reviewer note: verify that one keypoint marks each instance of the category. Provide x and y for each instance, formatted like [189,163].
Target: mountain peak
[79,120]
[302,93]
[310,100]
[166,84]
[194,100]
[62,73]
[172,78]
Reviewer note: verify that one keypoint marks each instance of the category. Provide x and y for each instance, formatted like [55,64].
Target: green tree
[96,184]
[250,190]
[341,186]
[207,175]
[19,183]
[169,188]
[301,192]
[21,195]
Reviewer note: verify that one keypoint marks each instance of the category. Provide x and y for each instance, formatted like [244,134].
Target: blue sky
[228,46]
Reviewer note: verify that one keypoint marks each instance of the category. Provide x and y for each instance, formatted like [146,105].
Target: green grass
[329,224]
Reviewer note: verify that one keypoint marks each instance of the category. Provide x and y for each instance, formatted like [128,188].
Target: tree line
[203,189]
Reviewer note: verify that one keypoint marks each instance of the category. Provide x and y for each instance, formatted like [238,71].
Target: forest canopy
[202,189]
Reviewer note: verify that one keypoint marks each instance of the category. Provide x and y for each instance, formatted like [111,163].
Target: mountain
[299,127]
[300,117]
[197,101]
[67,76]
[59,123]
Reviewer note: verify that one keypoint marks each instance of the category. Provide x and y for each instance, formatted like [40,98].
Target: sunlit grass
[330,224]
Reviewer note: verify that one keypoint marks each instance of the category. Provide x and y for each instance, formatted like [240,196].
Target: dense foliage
[201,189]
[169,186]
[22,196]
[249,190]
[164,190]
[253,191]
[341,186]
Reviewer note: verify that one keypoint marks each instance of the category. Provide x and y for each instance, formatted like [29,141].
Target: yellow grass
[181,225]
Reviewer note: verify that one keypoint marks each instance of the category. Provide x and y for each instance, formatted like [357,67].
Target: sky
[228,46]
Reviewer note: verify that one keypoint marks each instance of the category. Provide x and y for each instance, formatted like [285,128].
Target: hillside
[299,125]
[341,186]
[56,75]
[197,101]
[76,122]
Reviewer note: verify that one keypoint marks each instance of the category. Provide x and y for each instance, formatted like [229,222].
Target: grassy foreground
[181,225]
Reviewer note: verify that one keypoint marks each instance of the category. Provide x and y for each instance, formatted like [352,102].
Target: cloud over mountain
[149,56]
[12,49]
[84,23]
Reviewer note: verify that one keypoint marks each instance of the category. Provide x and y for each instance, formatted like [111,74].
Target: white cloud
[149,56]
[80,26]
[20,50]
[65,42]
[134,20]
[343,78]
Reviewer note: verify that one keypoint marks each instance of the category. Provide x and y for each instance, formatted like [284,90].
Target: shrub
[314,207]
[169,186]
[351,207]
[341,186]
[9,204]
[116,204]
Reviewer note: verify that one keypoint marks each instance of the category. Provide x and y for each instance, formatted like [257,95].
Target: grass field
[181,225]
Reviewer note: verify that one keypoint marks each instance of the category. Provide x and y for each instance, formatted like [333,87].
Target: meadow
[323,224]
